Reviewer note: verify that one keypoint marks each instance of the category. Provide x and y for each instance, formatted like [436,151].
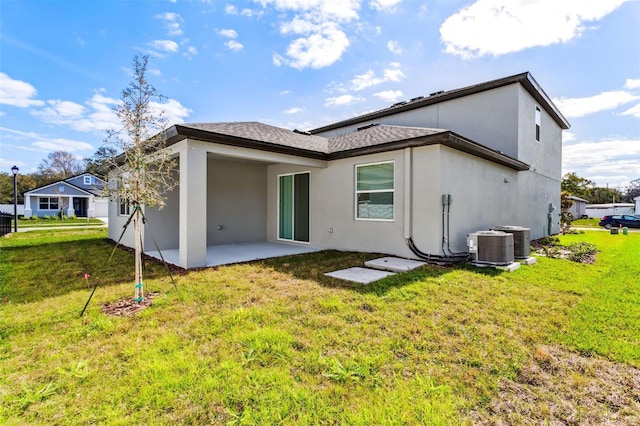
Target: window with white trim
[538,119]
[48,203]
[375,191]
[88,180]
[124,209]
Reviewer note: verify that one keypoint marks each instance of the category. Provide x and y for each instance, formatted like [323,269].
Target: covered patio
[227,254]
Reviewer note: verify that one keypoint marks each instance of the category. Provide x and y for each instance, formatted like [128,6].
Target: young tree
[144,172]
[565,215]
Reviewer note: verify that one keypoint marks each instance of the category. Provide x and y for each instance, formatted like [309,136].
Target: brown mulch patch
[560,387]
[128,307]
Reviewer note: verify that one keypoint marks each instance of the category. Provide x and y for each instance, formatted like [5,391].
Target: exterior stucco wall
[236,201]
[544,156]
[332,207]
[163,224]
[490,118]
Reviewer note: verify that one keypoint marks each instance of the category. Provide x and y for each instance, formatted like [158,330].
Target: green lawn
[39,223]
[587,223]
[277,342]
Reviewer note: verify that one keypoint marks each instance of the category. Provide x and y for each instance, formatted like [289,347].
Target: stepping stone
[359,275]
[394,264]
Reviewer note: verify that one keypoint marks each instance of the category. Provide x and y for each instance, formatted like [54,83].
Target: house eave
[178,133]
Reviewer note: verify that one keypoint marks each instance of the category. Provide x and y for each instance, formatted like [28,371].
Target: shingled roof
[366,140]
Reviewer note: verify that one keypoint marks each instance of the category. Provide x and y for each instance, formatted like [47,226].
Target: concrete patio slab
[394,264]
[359,275]
[227,254]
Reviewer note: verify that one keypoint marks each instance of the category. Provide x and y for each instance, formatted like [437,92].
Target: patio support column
[27,206]
[193,206]
[70,210]
[91,208]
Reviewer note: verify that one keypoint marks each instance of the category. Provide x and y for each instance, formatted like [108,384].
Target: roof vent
[417,98]
[301,132]
[397,104]
[368,126]
[439,92]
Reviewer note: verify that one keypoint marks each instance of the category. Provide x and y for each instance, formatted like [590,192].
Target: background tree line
[587,189]
[58,165]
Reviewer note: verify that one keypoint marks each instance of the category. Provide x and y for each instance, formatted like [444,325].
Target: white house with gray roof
[386,182]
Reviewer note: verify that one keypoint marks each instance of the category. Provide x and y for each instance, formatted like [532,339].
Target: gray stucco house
[578,207]
[77,195]
[483,156]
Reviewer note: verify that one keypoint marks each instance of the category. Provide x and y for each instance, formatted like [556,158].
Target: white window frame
[49,199]
[538,122]
[88,180]
[357,192]
[124,206]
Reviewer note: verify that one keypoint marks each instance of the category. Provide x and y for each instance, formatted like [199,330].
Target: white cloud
[59,144]
[17,93]
[234,45]
[166,46]
[322,39]
[249,13]
[369,78]
[294,110]
[342,100]
[318,50]
[579,107]
[228,33]
[172,110]
[632,83]
[389,95]
[634,111]
[191,52]
[154,71]
[567,136]
[172,23]
[394,47]
[383,5]
[497,27]
[609,161]
[231,9]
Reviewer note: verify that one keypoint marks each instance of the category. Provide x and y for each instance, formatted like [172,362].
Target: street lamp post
[15,171]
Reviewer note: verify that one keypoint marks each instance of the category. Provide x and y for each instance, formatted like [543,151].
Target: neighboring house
[77,195]
[578,207]
[637,206]
[599,210]
[481,156]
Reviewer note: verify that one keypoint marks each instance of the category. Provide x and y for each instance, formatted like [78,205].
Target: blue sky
[305,63]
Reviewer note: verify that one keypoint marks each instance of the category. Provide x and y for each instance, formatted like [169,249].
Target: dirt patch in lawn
[560,387]
[128,307]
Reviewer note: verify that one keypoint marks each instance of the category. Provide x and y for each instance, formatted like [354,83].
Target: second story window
[538,124]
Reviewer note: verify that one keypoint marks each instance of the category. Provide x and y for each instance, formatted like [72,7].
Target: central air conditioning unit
[521,240]
[491,247]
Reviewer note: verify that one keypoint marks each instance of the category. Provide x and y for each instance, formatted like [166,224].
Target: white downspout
[408,192]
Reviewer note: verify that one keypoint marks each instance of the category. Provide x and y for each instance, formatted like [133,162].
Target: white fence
[8,208]
[599,210]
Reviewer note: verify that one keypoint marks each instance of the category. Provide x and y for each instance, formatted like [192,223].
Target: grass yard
[41,223]
[587,223]
[277,342]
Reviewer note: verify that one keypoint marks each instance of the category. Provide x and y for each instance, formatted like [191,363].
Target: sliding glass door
[293,211]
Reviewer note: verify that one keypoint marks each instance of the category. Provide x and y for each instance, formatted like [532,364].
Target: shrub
[34,217]
[582,251]
[73,216]
[46,217]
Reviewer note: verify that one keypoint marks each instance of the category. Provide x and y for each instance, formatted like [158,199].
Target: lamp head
[15,170]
